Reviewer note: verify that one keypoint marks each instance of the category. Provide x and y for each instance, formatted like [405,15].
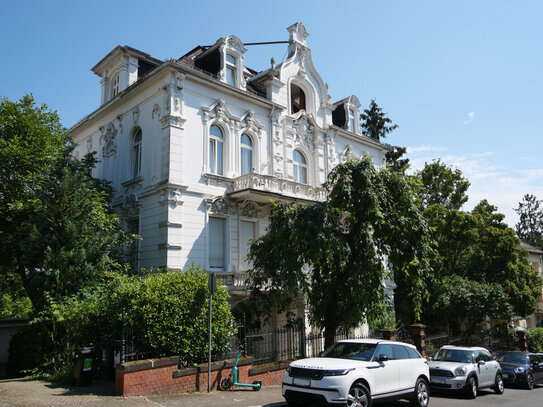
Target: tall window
[297,99]
[246,154]
[217,243]
[351,120]
[246,234]
[115,86]
[136,154]
[216,141]
[300,167]
[230,70]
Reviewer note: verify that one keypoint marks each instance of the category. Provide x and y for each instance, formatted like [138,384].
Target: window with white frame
[115,85]
[216,142]
[136,153]
[352,118]
[217,243]
[297,99]
[246,154]
[231,69]
[300,167]
[247,232]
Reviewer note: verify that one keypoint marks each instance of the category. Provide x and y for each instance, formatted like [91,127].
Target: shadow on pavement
[97,388]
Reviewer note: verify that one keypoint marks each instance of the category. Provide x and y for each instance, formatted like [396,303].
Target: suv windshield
[454,355]
[519,358]
[350,350]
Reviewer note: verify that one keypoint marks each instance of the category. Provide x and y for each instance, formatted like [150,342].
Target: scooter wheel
[258,385]
[226,384]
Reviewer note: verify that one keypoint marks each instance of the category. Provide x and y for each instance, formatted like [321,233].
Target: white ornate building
[196,147]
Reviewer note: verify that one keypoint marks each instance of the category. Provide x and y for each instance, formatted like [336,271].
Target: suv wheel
[422,395]
[498,386]
[359,396]
[471,388]
[529,381]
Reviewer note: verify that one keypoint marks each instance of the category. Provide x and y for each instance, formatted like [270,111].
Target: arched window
[216,141]
[136,153]
[297,99]
[300,167]
[246,154]
[231,70]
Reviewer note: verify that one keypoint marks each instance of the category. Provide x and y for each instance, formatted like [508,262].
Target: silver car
[465,370]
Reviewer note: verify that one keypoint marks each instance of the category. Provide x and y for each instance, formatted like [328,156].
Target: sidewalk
[38,393]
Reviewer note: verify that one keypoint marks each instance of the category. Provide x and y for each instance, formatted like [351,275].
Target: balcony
[235,282]
[262,188]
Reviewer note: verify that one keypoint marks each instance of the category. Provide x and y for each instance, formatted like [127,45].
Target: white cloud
[471,116]
[490,179]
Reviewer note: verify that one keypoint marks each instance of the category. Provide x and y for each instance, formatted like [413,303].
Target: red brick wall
[143,380]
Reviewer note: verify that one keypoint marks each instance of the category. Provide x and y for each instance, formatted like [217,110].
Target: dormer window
[115,85]
[352,116]
[297,99]
[231,70]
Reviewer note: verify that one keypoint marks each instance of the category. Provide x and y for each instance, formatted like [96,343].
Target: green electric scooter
[232,379]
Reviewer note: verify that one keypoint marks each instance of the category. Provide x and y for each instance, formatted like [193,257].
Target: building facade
[197,147]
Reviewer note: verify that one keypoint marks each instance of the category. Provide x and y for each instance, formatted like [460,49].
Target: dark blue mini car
[521,368]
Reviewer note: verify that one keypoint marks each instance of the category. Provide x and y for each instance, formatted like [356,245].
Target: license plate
[301,382]
[441,381]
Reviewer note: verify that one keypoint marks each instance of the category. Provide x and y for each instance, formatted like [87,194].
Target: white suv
[356,372]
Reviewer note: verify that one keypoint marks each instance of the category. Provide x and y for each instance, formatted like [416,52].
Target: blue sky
[462,79]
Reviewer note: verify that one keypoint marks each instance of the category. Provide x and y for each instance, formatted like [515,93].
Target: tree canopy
[530,224]
[375,123]
[56,230]
[336,252]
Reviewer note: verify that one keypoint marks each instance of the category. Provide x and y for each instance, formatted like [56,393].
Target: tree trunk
[329,336]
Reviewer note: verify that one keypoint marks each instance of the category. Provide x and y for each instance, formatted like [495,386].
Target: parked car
[357,372]
[465,370]
[521,368]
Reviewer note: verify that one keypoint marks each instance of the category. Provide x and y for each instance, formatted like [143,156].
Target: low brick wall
[161,376]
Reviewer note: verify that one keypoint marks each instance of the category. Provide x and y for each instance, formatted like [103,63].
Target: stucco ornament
[249,209]
[131,206]
[107,140]
[171,197]
[218,205]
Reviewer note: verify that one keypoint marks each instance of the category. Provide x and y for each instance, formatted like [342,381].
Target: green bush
[167,310]
[534,338]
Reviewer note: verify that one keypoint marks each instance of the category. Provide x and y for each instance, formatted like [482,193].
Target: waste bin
[110,358]
[83,366]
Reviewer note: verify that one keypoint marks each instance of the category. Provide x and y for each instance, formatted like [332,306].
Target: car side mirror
[429,358]
[481,362]
[320,353]
[382,358]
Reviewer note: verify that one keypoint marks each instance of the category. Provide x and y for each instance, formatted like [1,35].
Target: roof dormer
[122,67]
[347,114]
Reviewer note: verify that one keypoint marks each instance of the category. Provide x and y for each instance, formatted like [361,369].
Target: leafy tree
[534,337]
[334,252]
[374,122]
[56,231]
[530,225]
[460,300]
[394,159]
[14,303]
[442,185]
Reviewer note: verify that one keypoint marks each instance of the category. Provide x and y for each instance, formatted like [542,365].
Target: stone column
[388,334]
[522,344]
[419,337]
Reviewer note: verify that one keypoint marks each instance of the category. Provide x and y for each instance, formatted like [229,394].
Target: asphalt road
[36,393]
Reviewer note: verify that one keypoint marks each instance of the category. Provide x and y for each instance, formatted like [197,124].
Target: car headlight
[461,371]
[519,370]
[337,372]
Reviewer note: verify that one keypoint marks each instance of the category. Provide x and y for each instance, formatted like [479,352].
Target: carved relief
[89,144]
[136,115]
[218,205]
[249,209]
[171,197]
[107,139]
[131,206]
[156,111]
[346,154]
